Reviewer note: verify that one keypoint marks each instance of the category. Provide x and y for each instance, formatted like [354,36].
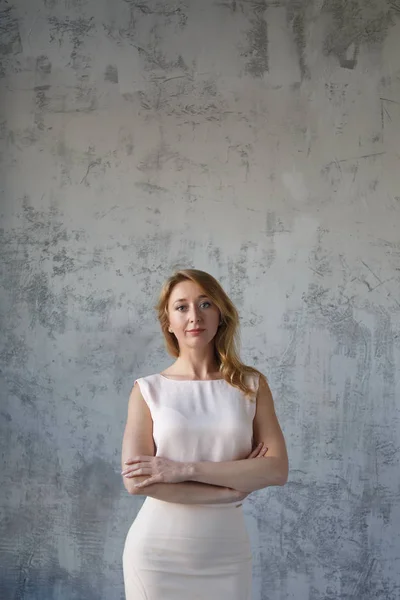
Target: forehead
[188,290]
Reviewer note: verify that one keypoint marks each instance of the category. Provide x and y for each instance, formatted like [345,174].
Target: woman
[199,438]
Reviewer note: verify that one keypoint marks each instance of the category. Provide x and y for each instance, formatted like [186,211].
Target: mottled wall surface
[257,140]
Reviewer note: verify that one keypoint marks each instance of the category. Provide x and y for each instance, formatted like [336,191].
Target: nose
[195,314]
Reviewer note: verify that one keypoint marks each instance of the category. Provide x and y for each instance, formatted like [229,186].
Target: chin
[198,342]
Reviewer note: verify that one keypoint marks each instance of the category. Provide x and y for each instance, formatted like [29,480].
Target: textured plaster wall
[257,140]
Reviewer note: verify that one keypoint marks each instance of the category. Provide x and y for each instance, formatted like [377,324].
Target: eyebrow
[184,299]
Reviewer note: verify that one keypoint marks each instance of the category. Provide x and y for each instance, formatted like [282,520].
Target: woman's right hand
[259,451]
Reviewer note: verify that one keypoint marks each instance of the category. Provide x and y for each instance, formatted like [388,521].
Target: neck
[196,365]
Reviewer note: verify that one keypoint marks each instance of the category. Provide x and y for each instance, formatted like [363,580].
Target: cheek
[213,317]
[176,318]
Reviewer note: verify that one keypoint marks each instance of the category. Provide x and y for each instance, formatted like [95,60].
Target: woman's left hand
[158,469]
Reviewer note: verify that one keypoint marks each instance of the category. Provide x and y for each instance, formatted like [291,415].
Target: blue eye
[205,304]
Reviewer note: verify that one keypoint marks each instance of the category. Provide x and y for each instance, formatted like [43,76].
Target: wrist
[241,495]
[189,471]
[233,495]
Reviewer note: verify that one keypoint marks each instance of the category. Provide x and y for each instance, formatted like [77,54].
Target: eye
[206,303]
[179,307]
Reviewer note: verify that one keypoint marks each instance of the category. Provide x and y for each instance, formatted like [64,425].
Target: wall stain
[47,581]
[43,235]
[75,29]
[257,37]
[159,156]
[150,188]
[30,567]
[120,34]
[353,24]
[296,16]
[95,478]
[231,5]
[171,16]
[238,269]
[15,351]
[154,58]
[111,74]
[10,40]
[162,9]
[43,65]
[42,101]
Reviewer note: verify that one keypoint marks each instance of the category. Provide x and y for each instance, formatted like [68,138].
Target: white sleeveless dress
[192,551]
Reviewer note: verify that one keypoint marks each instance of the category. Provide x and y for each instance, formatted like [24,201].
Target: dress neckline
[189,380]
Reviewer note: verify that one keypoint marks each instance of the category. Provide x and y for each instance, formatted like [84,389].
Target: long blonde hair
[226,340]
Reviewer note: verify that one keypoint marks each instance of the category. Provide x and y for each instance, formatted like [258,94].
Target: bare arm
[249,475]
[138,439]
[190,493]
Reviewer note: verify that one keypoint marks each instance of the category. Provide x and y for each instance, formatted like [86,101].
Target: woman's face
[193,318]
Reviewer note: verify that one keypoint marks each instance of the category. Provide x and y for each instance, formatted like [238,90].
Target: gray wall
[256,140]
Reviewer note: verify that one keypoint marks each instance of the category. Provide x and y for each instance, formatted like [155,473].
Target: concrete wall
[256,140]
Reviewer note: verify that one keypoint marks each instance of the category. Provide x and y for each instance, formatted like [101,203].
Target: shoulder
[254,378]
[147,379]
[258,384]
[148,387]
[264,396]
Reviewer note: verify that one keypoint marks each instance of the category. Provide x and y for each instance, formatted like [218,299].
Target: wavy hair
[226,340]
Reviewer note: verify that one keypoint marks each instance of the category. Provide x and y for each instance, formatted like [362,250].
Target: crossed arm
[202,482]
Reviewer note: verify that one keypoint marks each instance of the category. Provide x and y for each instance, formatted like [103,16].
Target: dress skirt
[187,552]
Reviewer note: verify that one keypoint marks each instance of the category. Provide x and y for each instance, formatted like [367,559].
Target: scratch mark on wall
[162,9]
[91,165]
[373,154]
[155,58]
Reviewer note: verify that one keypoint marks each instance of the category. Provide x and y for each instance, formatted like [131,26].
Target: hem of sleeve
[143,390]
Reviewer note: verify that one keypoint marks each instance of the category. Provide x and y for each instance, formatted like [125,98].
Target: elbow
[280,472]
[130,488]
[283,475]
[282,480]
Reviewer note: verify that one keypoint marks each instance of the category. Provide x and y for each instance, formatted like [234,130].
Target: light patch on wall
[283,63]
[294,183]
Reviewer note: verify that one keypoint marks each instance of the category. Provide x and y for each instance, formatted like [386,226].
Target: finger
[138,472]
[258,450]
[255,452]
[135,466]
[137,459]
[263,451]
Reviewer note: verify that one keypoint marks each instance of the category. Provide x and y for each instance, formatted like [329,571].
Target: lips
[195,330]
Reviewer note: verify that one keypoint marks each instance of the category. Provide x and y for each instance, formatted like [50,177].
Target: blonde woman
[199,438]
